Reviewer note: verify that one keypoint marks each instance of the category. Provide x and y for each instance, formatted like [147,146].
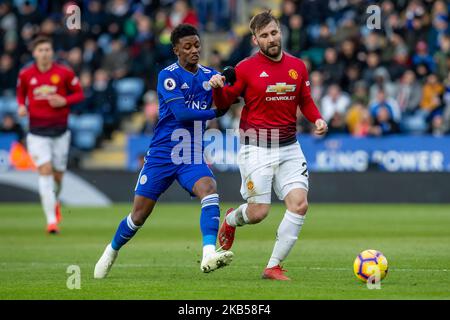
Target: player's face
[188,50]
[268,40]
[43,53]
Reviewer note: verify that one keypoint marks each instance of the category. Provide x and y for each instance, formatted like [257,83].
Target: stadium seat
[86,129]
[84,140]
[129,90]
[8,105]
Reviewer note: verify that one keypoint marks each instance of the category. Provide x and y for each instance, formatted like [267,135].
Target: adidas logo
[33,81]
[184,86]
[263,75]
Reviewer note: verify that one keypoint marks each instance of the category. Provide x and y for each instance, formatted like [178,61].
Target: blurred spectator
[383,123]
[94,17]
[399,64]
[9,125]
[317,85]
[116,62]
[75,59]
[351,76]
[423,57]
[408,93]
[415,23]
[104,100]
[360,93]
[214,15]
[337,124]
[382,101]
[297,39]
[439,24]
[92,55]
[437,126]
[87,105]
[182,13]
[442,57]
[8,75]
[432,94]
[150,112]
[332,69]
[335,101]
[382,83]
[373,62]
[358,120]
[215,60]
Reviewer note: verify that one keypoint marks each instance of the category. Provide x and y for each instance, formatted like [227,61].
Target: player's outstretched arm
[226,95]
[181,113]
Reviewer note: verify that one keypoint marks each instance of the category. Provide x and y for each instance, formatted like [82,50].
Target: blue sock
[126,230]
[209,219]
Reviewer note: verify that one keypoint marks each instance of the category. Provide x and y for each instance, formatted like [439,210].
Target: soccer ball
[366,262]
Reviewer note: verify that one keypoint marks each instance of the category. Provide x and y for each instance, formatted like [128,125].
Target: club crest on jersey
[281,88]
[206,85]
[54,79]
[293,74]
[169,84]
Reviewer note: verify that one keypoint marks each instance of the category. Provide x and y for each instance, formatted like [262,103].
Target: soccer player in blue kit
[185,100]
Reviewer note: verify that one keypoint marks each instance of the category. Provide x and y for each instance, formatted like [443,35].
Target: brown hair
[39,40]
[261,20]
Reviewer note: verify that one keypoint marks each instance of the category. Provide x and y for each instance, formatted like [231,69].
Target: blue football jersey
[193,89]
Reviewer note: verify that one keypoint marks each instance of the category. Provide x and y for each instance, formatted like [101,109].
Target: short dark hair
[39,40]
[261,20]
[181,31]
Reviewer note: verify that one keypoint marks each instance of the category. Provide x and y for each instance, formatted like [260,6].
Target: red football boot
[275,273]
[58,212]
[226,233]
[52,228]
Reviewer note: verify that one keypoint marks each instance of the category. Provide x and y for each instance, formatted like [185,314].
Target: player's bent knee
[300,208]
[46,169]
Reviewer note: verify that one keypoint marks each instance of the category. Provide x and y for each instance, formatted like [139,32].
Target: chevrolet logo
[281,88]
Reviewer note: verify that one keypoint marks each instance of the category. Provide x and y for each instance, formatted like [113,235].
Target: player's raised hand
[22,111]
[321,127]
[217,81]
[57,101]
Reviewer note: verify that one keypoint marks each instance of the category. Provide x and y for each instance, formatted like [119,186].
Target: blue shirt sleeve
[168,87]
[182,113]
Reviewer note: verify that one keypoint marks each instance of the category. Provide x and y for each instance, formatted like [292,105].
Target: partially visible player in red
[45,92]
[274,85]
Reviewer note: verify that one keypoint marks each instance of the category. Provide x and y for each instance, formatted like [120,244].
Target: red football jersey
[272,92]
[33,89]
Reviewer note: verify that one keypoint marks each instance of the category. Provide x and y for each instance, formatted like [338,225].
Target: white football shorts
[284,167]
[49,149]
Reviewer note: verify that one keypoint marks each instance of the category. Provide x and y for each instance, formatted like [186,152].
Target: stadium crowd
[394,79]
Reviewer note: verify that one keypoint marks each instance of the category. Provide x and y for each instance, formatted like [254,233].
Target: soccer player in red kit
[45,91]
[274,85]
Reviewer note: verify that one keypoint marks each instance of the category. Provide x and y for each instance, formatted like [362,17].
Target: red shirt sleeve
[307,105]
[74,86]
[21,89]
[224,97]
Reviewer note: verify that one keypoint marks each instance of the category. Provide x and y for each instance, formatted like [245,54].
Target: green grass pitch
[162,261]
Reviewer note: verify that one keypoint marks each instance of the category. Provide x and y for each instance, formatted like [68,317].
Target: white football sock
[208,249]
[287,235]
[48,199]
[238,217]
